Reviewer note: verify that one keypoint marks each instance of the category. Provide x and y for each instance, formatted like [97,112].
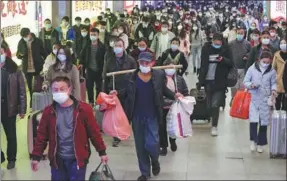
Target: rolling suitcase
[40,100]
[278,137]
[33,123]
[200,111]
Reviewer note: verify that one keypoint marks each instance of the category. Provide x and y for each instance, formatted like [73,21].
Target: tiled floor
[201,157]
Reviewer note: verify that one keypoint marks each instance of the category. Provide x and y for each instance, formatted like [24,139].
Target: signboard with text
[278,9]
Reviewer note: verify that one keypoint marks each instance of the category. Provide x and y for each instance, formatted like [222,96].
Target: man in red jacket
[67,125]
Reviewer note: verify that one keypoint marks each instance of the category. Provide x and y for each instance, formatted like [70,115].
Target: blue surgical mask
[118,50]
[174,47]
[216,46]
[239,37]
[142,49]
[3,58]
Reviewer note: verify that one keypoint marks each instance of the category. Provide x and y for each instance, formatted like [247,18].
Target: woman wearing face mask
[123,35]
[260,79]
[171,81]
[264,24]
[13,103]
[278,64]
[255,38]
[64,67]
[142,46]
[216,63]
[256,51]
[175,55]
[51,58]
[196,40]
[184,45]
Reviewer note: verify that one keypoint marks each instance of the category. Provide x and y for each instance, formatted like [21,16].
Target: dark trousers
[258,136]
[147,143]
[163,133]
[214,101]
[68,171]
[92,79]
[2,157]
[9,125]
[29,78]
[281,102]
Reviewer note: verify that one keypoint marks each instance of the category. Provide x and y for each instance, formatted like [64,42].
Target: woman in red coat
[6,46]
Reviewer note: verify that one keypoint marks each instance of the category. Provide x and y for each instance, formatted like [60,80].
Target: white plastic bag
[178,118]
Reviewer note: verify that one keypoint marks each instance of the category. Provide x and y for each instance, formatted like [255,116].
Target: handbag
[102,172]
[240,105]
[232,77]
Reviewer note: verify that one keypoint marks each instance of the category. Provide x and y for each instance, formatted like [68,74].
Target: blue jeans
[196,59]
[147,143]
[258,136]
[68,171]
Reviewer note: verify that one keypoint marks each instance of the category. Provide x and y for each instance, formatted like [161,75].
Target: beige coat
[73,75]
[278,65]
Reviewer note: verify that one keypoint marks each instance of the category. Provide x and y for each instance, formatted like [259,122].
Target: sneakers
[155,168]
[253,146]
[163,152]
[173,145]
[214,131]
[143,178]
[260,149]
[11,165]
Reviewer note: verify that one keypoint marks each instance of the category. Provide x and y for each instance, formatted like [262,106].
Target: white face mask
[60,97]
[102,30]
[3,58]
[164,30]
[179,27]
[170,72]
[55,51]
[84,34]
[120,31]
[112,44]
[26,39]
[62,58]
[144,69]
[93,38]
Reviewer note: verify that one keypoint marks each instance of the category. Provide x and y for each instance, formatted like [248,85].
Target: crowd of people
[207,38]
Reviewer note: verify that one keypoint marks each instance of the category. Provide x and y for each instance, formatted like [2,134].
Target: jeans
[196,56]
[92,79]
[163,133]
[258,136]
[147,143]
[9,125]
[68,171]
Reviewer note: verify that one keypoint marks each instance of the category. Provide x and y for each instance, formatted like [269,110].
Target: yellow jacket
[279,64]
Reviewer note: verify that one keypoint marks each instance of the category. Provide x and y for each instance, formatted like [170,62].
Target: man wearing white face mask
[117,60]
[69,126]
[257,50]
[64,67]
[274,40]
[161,41]
[144,90]
[49,36]
[66,31]
[92,59]
[145,30]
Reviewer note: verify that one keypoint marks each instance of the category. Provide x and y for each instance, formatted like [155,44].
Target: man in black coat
[216,63]
[32,53]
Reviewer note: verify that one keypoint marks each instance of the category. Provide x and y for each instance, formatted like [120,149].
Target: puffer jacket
[38,53]
[16,89]
[181,88]
[160,90]
[278,65]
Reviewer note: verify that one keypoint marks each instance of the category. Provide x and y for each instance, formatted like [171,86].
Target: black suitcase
[200,111]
